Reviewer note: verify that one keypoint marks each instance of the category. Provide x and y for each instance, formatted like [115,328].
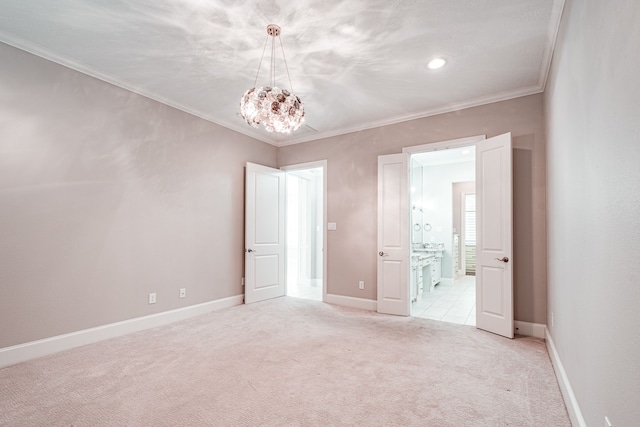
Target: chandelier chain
[286,65]
[266,39]
[272,73]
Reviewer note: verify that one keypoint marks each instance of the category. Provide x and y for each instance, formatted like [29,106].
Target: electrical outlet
[183,292]
[152,298]
[361,284]
[552,319]
[607,423]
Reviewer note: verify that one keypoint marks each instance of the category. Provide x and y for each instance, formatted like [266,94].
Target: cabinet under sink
[426,271]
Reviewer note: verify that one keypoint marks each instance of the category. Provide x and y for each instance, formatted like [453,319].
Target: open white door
[494,266]
[264,233]
[393,234]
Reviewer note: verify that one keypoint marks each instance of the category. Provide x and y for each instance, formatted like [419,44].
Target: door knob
[251,250]
[504,259]
[382,253]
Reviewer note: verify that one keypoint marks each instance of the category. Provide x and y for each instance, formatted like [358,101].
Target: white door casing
[494,264]
[393,234]
[264,233]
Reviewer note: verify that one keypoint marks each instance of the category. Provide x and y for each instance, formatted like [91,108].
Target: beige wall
[592,109]
[106,196]
[352,192]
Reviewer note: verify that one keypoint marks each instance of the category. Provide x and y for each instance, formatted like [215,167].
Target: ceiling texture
[356,64]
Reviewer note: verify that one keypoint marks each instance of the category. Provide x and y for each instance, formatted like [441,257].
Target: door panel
[393,234]
[266,271]
[392,277]
[494,266]
[492,293]
[264,233]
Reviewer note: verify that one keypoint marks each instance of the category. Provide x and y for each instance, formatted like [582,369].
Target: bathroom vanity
[426,268]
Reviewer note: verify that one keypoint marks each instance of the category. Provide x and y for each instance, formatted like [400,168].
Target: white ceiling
[356,64]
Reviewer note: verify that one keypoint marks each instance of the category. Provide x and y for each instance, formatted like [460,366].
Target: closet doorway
[305,237]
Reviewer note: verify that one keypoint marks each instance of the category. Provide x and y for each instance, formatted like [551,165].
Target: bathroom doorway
[305,212]
[442,276]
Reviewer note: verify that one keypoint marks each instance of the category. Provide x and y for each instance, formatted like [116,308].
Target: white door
[494,264]
[393,234]
[264,233]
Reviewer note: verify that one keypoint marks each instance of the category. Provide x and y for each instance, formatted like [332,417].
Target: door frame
[438,146]
[313,165]
[456,143]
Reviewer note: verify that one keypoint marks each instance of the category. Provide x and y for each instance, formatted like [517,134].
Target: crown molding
[552,36]
[440,109]
[43,52]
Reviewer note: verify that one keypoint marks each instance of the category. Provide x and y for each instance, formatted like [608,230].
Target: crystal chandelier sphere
[276,109]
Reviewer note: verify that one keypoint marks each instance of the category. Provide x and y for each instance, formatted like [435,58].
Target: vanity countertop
[421,255]
[429,247]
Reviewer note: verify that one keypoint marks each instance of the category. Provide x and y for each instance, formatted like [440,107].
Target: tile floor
[454,303]
[447,303]
[311,289]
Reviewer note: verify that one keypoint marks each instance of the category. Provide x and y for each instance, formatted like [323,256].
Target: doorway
[494,231]
[304,230]
[442,278]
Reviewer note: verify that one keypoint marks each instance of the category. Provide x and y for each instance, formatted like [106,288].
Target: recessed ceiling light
[436,63]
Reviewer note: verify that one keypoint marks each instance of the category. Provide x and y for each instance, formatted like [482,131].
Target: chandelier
[278,110]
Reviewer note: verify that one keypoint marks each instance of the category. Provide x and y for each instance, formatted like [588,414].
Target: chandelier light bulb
[276,109]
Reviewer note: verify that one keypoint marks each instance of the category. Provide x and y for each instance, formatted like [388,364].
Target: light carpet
[289,361]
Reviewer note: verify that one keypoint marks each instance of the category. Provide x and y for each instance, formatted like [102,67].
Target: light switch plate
[331,226]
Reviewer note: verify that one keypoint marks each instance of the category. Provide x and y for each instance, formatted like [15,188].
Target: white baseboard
[530,329]
[31,350]
[565,387]
[361,303]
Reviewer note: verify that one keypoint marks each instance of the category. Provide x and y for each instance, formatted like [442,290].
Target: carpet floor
[290,362]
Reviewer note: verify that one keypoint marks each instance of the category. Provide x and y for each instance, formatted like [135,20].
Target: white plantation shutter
[470,233]
[470,219]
